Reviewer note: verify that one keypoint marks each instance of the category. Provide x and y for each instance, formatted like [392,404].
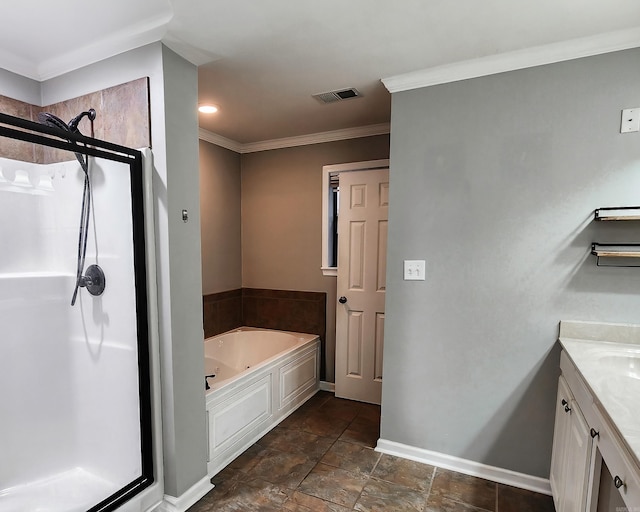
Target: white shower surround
[262,376]
[67,403]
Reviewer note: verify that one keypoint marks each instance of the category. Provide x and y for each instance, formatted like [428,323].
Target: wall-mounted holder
[616,255]
[617,213]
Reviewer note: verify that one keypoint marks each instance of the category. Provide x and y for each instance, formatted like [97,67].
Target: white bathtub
[261,376]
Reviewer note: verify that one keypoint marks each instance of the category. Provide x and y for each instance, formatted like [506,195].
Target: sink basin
[624,363]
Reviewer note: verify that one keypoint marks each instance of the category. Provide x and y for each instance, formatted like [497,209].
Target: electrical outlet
[414,270]
[630,120]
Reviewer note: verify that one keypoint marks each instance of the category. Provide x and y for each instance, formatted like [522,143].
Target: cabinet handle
[617,481]
[564,402]
[342,300]
[594,433]
[567,408]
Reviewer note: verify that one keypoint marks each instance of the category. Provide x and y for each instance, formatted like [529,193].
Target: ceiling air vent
[333,96]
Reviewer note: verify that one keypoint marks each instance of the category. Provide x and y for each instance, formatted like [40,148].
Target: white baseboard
[327,386]
[467,467]
[186,499]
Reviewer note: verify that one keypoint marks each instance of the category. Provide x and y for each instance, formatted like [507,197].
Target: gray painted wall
[220,218]
[184,411]
[20,87]
[494,182]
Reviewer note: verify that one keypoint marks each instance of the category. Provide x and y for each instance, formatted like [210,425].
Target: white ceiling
[261,60]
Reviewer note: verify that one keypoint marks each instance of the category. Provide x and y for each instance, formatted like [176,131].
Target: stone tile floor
[321,459]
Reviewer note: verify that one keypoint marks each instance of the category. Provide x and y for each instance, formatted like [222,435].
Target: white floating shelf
[617,213]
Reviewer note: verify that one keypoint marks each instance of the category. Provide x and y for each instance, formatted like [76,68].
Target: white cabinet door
[560,433]
[577,456]
[571,454]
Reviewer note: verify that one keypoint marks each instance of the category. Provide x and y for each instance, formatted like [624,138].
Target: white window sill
[329,271]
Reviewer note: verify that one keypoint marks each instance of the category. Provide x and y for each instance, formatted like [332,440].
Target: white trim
[301,140]
[327,386]
[467,467]
[145,32]
[219,140]
[327,172]
[188,498]
[520,59]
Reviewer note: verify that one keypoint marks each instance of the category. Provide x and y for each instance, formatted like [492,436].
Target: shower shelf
[619,213]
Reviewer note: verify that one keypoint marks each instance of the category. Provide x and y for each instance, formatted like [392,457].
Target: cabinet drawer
[619,463]
[578,387]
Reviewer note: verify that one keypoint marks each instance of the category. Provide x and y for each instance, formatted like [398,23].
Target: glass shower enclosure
[75,403]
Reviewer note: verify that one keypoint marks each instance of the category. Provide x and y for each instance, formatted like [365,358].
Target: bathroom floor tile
[334,485]
[464,489]
[248,459]
[362,431]
[380,496]
[369,411]
[300,502]
[404,472]
[351,457]
[339,408]
[324,426]
[256,495]
[295,421]
[283,469]
[442,504]
[321,459]
[296,441]
[512,499]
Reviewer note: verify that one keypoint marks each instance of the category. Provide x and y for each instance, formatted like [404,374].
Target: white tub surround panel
[266,375]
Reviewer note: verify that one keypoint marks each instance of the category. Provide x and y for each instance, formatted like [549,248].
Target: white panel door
[361,286]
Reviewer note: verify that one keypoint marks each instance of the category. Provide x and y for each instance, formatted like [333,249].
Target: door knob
[342,300]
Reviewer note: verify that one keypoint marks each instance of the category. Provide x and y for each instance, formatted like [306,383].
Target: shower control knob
[342,300]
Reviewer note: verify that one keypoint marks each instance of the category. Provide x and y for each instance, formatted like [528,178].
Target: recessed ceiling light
[208,109]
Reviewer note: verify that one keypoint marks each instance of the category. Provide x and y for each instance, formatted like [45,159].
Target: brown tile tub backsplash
[222,312]
[270,309]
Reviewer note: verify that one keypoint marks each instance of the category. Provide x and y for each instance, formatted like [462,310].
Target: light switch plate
[630,121]
[414,270]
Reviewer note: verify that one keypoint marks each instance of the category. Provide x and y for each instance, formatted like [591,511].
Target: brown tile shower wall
[18,149]
[122,117]
[270,309]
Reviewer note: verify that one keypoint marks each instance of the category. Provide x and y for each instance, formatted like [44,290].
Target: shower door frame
[37,134]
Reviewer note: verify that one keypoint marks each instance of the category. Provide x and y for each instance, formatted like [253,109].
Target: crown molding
[521,59]
[219,140]
[128,38]
[301,140]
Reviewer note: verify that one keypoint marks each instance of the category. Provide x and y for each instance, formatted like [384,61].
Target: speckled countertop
[608,358]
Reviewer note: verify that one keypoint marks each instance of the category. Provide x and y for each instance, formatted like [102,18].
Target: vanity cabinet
[588,457]
[572,445]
